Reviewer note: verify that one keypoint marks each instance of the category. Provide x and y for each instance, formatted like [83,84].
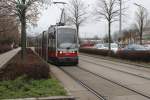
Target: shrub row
[129,55]
[96,51]
[134,55]
[4,48]
[32,67]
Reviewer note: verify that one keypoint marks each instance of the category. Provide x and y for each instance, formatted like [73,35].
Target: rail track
[84,77]
[117,69]
[100,96]
[123,62]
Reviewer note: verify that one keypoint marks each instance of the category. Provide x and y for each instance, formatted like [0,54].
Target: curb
[47,98]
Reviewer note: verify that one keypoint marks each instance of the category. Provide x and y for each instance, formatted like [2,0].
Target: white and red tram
[60,45]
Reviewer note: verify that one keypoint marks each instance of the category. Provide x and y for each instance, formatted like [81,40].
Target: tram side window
[52,41]
[43,40]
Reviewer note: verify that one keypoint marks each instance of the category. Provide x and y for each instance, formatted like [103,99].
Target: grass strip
[26,88]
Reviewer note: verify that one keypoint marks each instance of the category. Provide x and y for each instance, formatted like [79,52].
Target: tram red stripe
[53,54]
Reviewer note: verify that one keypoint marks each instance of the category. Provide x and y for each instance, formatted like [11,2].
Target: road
[112,80]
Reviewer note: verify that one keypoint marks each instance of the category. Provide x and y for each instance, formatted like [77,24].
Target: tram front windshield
[67,38]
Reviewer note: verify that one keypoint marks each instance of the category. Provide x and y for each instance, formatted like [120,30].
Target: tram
[63,44]
[59,45]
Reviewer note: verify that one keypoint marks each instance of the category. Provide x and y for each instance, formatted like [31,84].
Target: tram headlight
[74,52]
[60,52]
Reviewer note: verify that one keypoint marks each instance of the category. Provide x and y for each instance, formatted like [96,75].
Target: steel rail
[101,97]
[101,65]
[117,83]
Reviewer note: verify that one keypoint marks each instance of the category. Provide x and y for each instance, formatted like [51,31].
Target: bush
[32,66]
[134,55]
[97,51]
[4,48]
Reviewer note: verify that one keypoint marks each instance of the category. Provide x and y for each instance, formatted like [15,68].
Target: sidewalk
[5,57]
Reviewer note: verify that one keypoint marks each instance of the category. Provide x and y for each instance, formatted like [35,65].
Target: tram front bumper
[68,59]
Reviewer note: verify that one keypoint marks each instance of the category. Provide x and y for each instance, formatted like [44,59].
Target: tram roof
[72,27]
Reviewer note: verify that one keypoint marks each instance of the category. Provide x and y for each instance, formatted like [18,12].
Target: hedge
[32,66]
[134,55]
[101,52]
[4,48]
[129,55]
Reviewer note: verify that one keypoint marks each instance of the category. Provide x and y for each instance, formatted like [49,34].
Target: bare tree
[108,10]
[77,13]
[9,32]
[127,36]
[25,11]
[8,26]
[4,8]
[141,20]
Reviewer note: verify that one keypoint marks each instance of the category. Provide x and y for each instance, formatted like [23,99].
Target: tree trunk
[141,40]
[141,33]
[23,34]
[109,35]
[77,27]
[141,30]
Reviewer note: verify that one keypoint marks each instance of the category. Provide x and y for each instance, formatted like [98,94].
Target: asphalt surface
[130,76]
[108,89]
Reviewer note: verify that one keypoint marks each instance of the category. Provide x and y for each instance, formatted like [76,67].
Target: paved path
[5,57]
[106,89]
[124,74]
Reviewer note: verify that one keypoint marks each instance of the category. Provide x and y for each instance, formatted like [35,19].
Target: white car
[99,46]
[105,46]
[147,46]
[114,47]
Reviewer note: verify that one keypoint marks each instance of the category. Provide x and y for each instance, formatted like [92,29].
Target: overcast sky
[91,28]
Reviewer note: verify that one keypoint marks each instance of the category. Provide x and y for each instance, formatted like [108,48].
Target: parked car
[135,47]
[99,46]
[147,46]
[134,52]
[87,45]
[105,46]
[114,47]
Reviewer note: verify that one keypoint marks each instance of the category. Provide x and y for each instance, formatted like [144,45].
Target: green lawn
[25,88]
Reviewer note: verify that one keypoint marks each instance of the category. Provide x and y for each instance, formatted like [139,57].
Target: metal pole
[120,22]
